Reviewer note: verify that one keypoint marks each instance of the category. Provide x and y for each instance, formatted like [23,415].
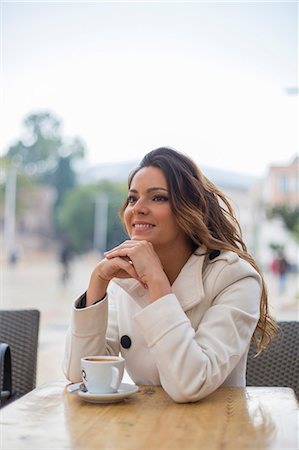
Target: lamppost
[100,223]
[10,211]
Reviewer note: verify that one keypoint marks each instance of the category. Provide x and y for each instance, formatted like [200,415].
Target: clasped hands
[131,259]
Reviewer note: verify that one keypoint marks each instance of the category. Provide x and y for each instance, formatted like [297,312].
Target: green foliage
[290,218]
[75,218]
[38,152]
[4,166]
[275,247]
[76,215]
[64,177]
[45,156]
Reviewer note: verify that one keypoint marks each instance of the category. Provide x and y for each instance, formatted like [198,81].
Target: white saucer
[124,391]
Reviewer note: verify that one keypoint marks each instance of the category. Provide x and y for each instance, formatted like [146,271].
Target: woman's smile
[142,226]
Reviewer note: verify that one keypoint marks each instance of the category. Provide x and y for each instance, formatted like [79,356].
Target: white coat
[190,341]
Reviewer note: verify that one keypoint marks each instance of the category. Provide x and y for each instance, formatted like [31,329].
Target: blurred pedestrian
[283,267]
[65,259]
[13,257]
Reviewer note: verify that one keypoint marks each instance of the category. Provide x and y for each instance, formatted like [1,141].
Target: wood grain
[231,418]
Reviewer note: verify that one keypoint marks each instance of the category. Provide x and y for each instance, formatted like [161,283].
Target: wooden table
[230,418]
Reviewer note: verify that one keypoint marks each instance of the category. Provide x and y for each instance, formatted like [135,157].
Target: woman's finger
[127,266]
[123,244]
[126,244]
[122,252]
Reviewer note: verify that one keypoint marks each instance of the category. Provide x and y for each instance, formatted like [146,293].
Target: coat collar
[188,286]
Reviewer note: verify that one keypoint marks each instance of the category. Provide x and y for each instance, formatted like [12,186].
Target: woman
[185,298]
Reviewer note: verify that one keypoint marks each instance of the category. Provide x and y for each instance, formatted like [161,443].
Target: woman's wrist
[158,288]
[96,290]
[82,301]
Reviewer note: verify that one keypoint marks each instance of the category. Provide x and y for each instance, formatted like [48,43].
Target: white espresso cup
[102,374]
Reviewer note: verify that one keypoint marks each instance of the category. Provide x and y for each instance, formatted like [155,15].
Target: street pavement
[35,282]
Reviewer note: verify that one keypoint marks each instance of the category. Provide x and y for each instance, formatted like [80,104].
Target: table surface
[231,418]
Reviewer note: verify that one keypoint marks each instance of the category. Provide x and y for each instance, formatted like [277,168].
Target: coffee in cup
[102,374]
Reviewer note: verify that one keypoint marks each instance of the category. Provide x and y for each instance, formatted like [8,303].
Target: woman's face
[148,215]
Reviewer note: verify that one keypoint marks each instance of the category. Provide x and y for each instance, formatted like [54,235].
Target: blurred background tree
[47,187]
[45,157]
[38,151]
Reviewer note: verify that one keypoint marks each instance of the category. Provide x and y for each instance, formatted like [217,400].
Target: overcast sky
[208,78]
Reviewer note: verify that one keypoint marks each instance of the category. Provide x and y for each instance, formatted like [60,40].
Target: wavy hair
[206,216]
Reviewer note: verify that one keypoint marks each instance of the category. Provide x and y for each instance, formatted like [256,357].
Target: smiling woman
[185,297]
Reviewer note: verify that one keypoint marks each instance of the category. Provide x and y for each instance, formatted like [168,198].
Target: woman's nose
[139,208]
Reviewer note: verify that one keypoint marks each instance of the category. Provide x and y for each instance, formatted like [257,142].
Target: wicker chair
[19,330]
[278,365]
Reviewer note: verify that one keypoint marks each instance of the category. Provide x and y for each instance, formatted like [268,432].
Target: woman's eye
[160,198]
[131,199]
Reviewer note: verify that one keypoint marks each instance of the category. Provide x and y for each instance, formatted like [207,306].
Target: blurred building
[35,224]
[244,194]
[280,188]
[282,184]
[26,218]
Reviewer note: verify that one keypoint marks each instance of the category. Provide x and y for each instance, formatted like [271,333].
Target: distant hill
[119,172]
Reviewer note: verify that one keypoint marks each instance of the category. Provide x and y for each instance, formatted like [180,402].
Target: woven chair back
[278,365]
[19,329]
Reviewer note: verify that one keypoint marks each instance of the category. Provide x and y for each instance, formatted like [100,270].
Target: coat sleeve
[193,363]
[90,333]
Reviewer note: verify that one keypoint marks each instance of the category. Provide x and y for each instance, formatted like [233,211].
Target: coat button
[213,254]
[125,341]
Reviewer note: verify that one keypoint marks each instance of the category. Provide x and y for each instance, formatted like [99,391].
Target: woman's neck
[173,259]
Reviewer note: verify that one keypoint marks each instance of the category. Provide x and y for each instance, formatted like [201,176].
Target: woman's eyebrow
[150,189]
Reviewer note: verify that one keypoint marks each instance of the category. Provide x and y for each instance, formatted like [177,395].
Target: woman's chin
[139,237]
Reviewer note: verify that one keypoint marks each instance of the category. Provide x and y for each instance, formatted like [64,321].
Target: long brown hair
[206,216]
